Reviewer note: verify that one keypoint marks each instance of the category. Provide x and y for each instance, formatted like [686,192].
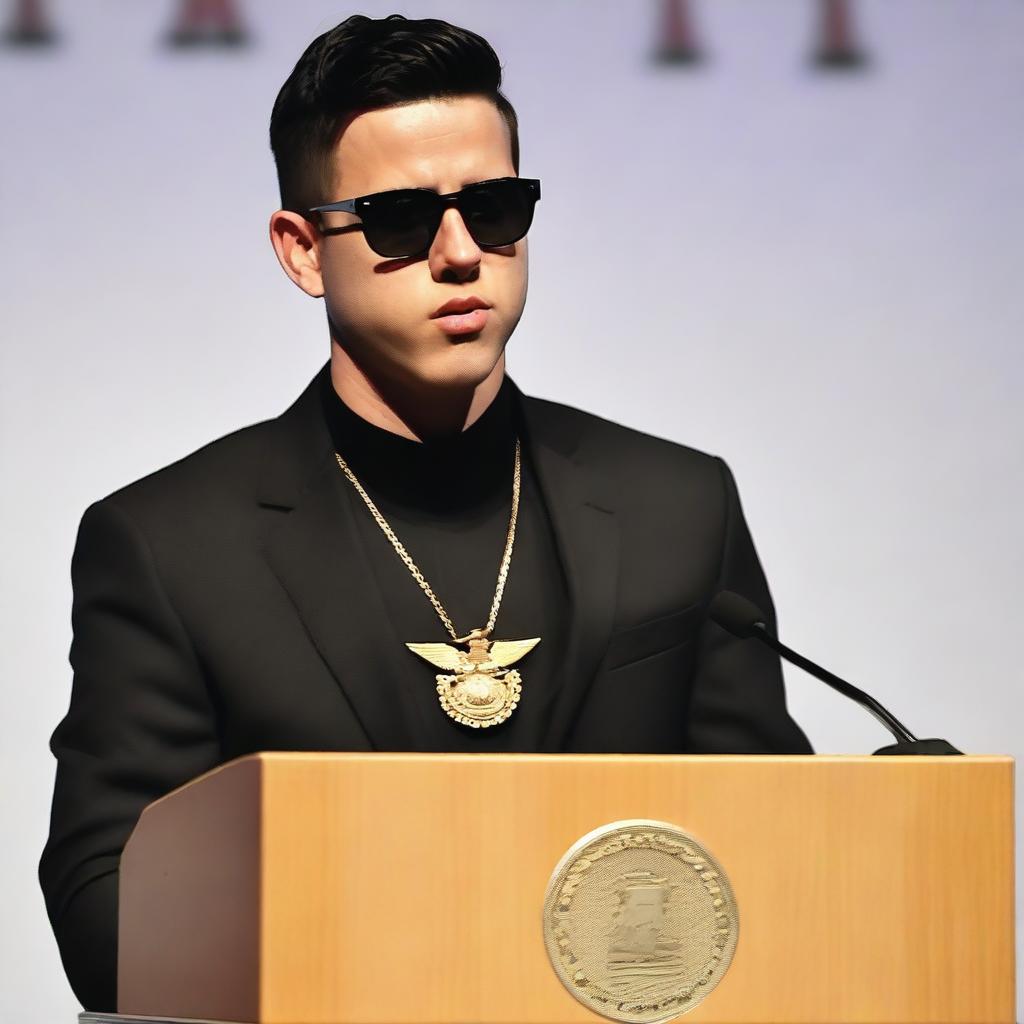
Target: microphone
[742,618]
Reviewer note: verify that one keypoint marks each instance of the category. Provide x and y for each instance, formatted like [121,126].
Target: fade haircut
[366,64]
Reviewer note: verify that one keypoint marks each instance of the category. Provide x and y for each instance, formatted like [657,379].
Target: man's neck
[410,411]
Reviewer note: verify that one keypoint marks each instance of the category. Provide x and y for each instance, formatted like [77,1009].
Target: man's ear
[297,244]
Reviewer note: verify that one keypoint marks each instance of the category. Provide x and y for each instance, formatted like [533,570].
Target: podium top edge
[271,759]
[398,757]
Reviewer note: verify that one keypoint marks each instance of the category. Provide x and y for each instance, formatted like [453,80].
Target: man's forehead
[438,143]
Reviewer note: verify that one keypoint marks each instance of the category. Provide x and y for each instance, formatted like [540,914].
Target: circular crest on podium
[640,922]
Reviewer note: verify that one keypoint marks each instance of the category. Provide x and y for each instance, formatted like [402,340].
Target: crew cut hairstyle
[366,64]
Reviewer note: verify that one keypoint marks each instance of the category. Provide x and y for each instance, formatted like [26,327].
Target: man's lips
[461,304]
[463,323]
[465,314]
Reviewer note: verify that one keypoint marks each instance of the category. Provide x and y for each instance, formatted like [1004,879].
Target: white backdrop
[816,276]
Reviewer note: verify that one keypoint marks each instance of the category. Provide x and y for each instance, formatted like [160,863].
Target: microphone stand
[906,741]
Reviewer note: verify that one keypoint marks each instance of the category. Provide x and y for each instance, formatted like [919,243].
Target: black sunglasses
[404,221]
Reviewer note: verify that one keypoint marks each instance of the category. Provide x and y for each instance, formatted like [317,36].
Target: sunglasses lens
[404,222]
[401,223]
[497,213]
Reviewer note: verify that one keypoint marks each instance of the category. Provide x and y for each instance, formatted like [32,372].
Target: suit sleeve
[738,701]
[141,722]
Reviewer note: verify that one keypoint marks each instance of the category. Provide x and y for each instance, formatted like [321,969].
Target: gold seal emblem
[640,922]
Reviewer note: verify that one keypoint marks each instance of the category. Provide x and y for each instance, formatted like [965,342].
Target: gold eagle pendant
[478,688]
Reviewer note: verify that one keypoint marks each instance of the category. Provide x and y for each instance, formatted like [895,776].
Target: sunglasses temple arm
[344,206]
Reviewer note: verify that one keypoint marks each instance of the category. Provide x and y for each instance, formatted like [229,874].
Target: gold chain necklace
[478,688]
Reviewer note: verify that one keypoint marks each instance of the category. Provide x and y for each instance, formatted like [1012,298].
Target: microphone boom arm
[899,731]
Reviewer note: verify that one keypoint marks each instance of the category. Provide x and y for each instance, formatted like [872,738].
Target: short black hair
[366,64]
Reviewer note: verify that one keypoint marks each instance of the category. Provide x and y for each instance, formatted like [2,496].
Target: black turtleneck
[448,501]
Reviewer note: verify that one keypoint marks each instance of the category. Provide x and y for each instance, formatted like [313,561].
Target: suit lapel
[587,537]
[316,555]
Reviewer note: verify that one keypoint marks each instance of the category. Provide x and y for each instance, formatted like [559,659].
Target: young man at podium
[415,555]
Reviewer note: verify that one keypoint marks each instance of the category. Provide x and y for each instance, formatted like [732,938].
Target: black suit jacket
[222,606]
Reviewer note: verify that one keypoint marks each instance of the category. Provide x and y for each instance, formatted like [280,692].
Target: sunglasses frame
[361,204]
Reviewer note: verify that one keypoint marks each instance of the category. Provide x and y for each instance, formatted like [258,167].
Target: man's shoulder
[227,472]
[610,445]
[213,474]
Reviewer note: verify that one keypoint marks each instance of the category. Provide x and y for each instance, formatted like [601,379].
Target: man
[298,584]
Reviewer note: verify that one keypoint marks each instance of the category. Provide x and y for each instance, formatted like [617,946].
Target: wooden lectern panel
[386,888]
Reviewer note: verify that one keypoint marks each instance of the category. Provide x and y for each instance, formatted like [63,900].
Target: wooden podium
[401,888]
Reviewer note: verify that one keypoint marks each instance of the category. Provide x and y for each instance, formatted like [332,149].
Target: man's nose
[454,248]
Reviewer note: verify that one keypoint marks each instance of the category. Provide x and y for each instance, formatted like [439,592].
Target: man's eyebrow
[402,188]
[429,188]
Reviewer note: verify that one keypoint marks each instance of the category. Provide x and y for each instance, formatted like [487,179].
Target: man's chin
[454,365]
[462,367]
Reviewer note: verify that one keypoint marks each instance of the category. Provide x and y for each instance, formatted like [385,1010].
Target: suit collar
[298,447]
[316,555]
